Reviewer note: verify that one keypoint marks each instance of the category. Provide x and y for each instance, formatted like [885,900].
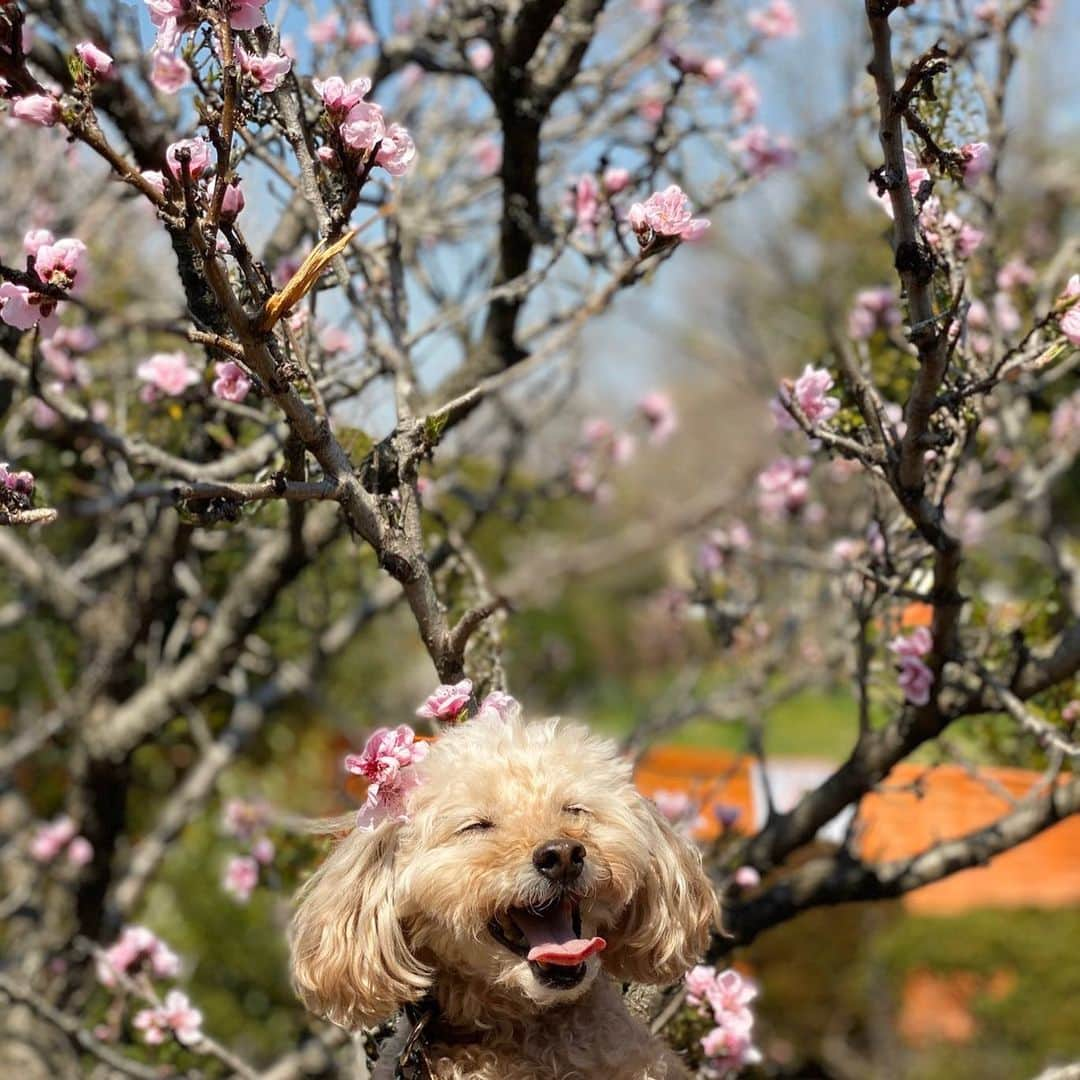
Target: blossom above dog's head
[448,702]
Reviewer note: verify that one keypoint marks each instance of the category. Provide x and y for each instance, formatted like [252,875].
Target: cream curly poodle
[527,882]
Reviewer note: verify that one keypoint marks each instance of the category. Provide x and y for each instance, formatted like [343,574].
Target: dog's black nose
[560,860]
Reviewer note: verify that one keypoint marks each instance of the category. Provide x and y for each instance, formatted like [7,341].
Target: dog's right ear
[350,960]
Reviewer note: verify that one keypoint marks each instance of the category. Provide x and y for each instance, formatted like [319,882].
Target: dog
[525,882]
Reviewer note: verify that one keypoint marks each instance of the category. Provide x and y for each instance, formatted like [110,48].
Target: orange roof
[896,821]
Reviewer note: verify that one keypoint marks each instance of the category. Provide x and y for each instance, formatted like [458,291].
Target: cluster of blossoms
[170,374]
[174,1016]
[784,487]
[724,997]
[136,951]
[585,198]
[810,394]
[763,152]
[61,836]
[874,309]
[247,822]
[56,263]
[390,755]
[778,20]
[603,448]
[364,134]
[665,216]
[718,547]
[915,679]
[16,488]
[386,762]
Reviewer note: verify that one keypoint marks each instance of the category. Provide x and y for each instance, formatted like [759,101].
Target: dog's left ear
[666,926]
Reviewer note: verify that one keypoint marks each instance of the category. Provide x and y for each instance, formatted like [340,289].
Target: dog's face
[528,863]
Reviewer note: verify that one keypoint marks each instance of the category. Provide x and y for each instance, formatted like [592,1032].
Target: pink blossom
[1070,712]
[268,71]
[96,60]
[396,150]
[659,413]
[169,74]
[37,109]
[198,151]
[745,95]
[16,483]
[918,643]
[175,1015]
[49,840]
[339,96]
[61,262]
[166,375]
[263,851]
[16,306]
[80,851]
[810,394]
[359,33]
[1070,325]
[240,877]
[1071,290]
[778,20]
[244,819]
[1016,274]
[232,202]
[783,487]
[487,153]
[36,239]
[246,14]
[1040,11]
[1005,313]
[616,179]
[763,152]
[155,179]
[714,69]
[586,205]
[447,702]
[389,750]
[170,18]
[1065,420]
[232,382]
[480,55]
[665,213]
[137,949]
[364,126]
[503,705]
[874,309]
[325,30]
[915,680]
[334,339]
[746,877]
[977,161]
[386,763]
[966,237]
[916,175]
[676,806]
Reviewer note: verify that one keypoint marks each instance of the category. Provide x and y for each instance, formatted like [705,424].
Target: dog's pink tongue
[551,937]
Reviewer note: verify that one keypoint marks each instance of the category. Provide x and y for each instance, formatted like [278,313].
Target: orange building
[915,807]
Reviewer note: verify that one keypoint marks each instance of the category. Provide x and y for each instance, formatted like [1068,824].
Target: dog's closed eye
[575,808]
[482,825]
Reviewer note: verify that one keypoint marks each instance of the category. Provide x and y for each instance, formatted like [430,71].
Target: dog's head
[528,863]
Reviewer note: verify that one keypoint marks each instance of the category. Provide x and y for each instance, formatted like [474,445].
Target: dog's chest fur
[593,1039]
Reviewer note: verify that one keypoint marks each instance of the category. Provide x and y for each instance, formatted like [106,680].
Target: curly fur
[403,911]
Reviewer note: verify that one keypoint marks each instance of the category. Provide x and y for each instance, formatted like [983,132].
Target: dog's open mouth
[550,939]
